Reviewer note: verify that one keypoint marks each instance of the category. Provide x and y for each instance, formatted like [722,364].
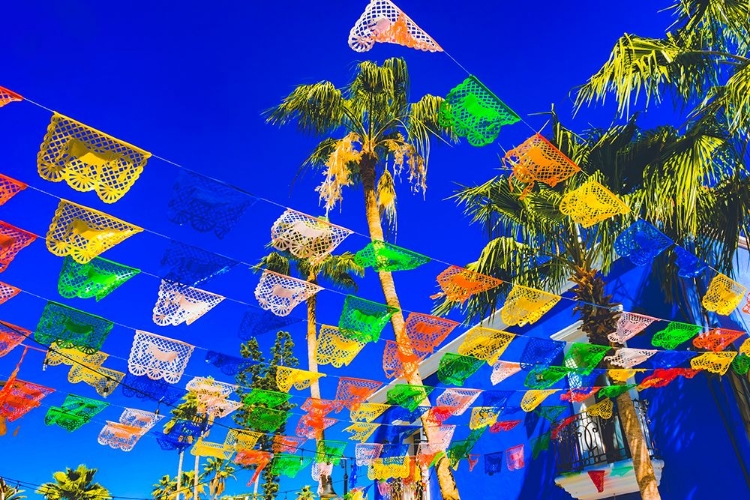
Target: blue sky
[189,82]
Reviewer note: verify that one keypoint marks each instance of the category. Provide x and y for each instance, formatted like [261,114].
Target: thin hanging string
[368,238]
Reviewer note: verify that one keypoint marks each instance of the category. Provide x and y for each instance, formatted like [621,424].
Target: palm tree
[380,134]
[661,175]
[221,470]
[186,410]
[305,493]
[165,489]
[74,484]
[8,492]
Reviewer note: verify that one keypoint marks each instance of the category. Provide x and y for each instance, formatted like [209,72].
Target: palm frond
[275,262]
[721,24]
[339,270]
[318,109]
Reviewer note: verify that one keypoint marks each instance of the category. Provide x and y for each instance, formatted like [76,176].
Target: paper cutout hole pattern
[383,22]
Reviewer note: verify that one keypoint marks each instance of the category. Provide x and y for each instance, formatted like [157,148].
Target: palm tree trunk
[195,477]
[446,481]
[597,323]
[312,346]
[179,475]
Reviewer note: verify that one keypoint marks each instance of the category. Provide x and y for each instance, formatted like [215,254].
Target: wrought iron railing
[588,440]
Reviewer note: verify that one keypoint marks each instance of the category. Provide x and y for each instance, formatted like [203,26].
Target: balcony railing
[588,440]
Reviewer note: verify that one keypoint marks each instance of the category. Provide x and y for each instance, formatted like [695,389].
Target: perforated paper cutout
[601,409]
[11,336]
[119,436]
[286,378]
[329,451]
[212,396]
[270,399]
[454,368]
[352,392]
[75,412]
[717,339]
[8,96]
[103,380]
[395,362]
[259,459]
[544,377]
[514,457]
[9,187]
[383,22]
[368,412]
[493,463]
[306,237]
[229,365]
[628,326]
[506,425]
[723,295]
[334,348]
[458,399]
[537,160]
[714,362]
[675,334]
[622,374]
[366,453]
[7,292]
[482,416]
[288,465]
[286,444]
[592,203]
[255,323]
[627,357]
[204,448]
[207,205]
[189,265]
[150,390]
[96,279]
[384,256]
[426,332]
[540,352]
[280,294]
[475,112]
[502,370]
[408,396]
[458,283]
[89,160]
[361,431]
[71,328]
[266,419]
[584,357]
[689,265]
[641,242]
[18,397]
[532,399]
[84,233]
[363,320]
[177,304]
[182,434]
[662,377]
[485,343]
[12,241]
[577,395]
[526,305]
[615,391]
[158,357]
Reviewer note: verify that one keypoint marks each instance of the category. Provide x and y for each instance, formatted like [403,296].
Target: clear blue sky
[188,81]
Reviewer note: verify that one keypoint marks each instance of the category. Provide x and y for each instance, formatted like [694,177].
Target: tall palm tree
[186,410]
[221,471]
[379,135]
[8,492]
[165,489]
[74,484]
[305,493]
[532,243]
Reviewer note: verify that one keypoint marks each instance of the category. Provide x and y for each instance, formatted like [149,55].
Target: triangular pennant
[585,357]
[670,359]
[689,265]
[351,392]
[675,334]
[334,348]
[7,96]
[286,378]
[158,357]
[205,204]
[89,160]
[363,320]
[597,477]
[12,241]
[361,431]
[629,325]
[714,362]
[717,339]
[454,369]
[502,370]
[487,344]
[627,357]
[9,187]
[229,365]
[189,265]
[97,278]
[242,439]
[256,322]
[305,236]
[256,458]
[384,256]
[540,352]
[269,399]
[75,412]
[177,304]
[71,328]
[286,444]
[147,389]
[601,409]
[203,448]
[395,361]
[532,399]
[7,292]
[475,112]
[641,242]
[458,283]
[383,22]
[615,391]
[408,396]
[537,160]
[366,453]
[591,203]
[662,377]
[11,336]
[458,399]
[505,425]
[262,419]
[368,412]
[621,374]
[540,444]
[104,380]
[280,294]
[179,434]
[329,451]
[288,465]
[526,305]
[493,463]
[18,397]
[84,233]
[550,413]
[426,332]
[577,395]
[514,457]
[723,295]
[482,416]
[544,377]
